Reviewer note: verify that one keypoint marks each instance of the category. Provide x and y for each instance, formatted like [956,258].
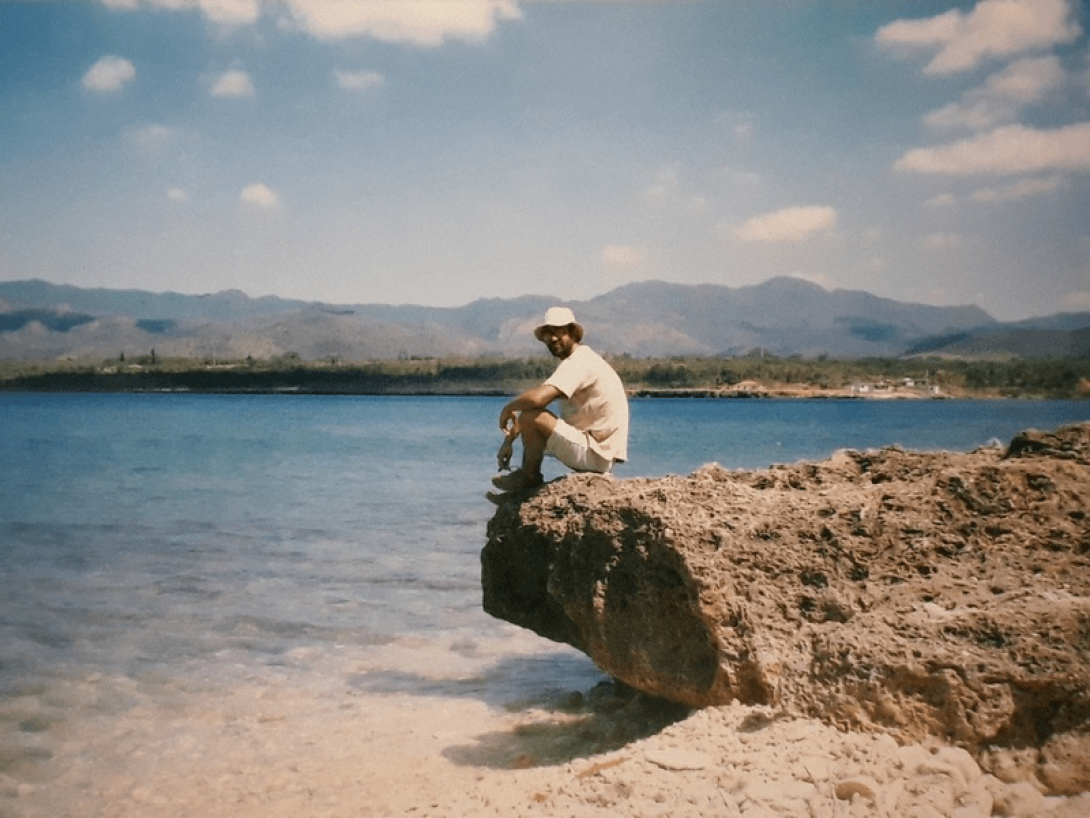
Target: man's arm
[537,398]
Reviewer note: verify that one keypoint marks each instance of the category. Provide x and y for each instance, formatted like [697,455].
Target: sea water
[155,548]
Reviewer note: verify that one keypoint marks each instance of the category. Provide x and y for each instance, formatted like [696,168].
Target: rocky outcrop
[931,593]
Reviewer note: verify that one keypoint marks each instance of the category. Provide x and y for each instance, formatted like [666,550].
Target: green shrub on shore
[1055,378]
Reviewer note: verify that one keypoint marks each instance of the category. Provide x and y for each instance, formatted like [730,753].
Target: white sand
[271,747]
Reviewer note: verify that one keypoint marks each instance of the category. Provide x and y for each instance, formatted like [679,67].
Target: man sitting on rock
[591,433]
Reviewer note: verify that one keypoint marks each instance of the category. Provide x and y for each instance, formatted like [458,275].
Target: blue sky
[440,151]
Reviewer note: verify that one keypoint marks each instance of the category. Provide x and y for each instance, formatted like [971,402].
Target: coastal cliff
[932,594]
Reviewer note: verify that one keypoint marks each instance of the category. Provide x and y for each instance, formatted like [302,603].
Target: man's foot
[517,480]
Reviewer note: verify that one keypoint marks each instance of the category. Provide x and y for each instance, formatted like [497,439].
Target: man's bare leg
[535,427]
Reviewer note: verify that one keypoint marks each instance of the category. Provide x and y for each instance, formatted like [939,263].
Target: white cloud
[1027,81]
[416,22]
[177,194]
[942,200]
[1076,301]
[993,28]
[110,73]
[622,255]
[664,185]
[230,12]
[260,196]
[739,123]
[152,138]
[942,241]
[223,12]
[665,191]
[738,177]
[1022,189]
[791,224]
[358,81]
[1004,95]
[696,204]
[920,33]
[233,83]
[1010,149]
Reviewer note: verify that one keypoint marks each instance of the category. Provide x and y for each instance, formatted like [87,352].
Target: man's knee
[540,422]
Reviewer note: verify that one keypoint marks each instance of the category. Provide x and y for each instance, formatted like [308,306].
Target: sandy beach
[273,748]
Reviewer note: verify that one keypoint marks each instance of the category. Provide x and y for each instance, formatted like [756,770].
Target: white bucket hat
[560,317]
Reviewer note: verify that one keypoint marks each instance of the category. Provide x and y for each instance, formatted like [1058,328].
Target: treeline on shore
[742,376]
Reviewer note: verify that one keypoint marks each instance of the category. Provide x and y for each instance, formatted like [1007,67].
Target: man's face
[559,340]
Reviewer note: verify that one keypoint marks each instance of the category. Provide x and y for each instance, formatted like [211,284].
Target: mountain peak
[792,284]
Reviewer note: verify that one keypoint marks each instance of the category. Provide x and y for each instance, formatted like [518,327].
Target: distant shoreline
[771,394]
[715,379]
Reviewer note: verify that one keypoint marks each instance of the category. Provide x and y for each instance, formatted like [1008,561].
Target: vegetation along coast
[751,376]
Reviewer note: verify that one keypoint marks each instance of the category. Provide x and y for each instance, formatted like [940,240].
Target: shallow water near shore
[182,573]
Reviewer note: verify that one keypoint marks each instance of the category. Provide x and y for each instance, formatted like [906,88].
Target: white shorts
[572,448]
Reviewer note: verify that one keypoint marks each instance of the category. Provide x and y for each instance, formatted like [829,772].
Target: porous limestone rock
[932,593]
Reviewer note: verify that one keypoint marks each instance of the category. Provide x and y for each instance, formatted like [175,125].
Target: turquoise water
[168,540]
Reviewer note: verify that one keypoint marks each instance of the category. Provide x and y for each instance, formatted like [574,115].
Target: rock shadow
[607,718]
[513,683]
[555,723]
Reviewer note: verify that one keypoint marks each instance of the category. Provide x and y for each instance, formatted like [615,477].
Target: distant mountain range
[782,316]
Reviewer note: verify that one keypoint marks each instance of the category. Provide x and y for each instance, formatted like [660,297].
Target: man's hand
[503,456]
[509,420]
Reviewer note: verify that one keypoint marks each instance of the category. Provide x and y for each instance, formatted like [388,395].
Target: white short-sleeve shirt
[594,401]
